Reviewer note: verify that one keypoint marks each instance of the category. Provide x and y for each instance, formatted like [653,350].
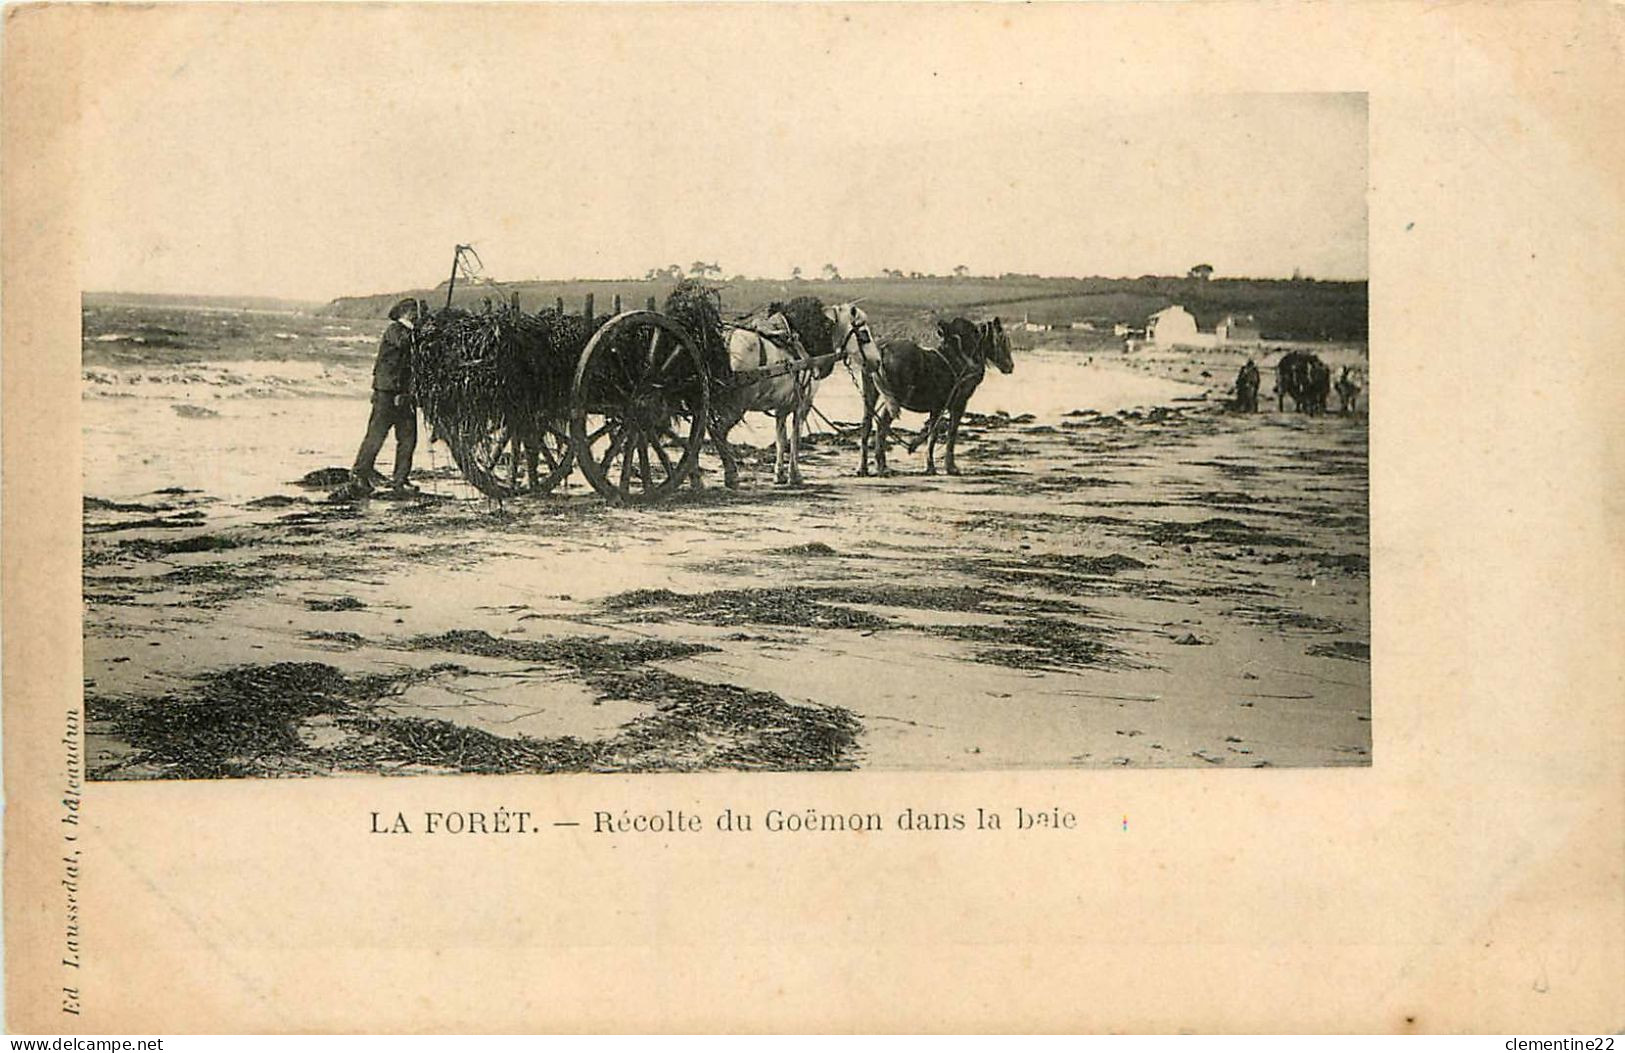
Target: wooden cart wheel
[640,399]
[508,461]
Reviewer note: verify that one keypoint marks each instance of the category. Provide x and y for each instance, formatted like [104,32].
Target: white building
[1176,327]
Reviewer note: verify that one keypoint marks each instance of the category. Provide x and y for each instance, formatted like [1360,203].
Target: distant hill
[219,303]
[1282,310]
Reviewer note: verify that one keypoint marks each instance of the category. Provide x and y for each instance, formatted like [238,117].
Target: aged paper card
[1240,653]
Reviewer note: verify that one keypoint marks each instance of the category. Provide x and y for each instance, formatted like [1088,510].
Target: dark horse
[900,374]
[1304,378]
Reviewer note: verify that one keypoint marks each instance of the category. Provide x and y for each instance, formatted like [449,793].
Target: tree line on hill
[1282,309]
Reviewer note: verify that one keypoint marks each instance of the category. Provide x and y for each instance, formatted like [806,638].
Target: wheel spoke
[609,454]
[665,458]
[546,449]
[626,470]
[608,377]
[631,385]
[637,365]
[670,358]
[490,454]
[643,464]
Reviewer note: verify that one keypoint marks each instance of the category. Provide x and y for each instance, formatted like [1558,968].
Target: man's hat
[407,308]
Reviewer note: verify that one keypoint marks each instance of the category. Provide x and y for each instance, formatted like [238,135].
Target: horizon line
[810,280]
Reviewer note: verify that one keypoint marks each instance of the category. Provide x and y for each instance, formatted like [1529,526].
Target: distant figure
[1348,389]
[1247,388]
[392,406]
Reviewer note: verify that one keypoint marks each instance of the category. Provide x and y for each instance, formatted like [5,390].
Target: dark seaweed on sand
[248,721]
[584,653]
[238,723]
[1039,644]
[801,606]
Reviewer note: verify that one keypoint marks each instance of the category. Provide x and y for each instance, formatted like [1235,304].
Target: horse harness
[785,339]
[961,376]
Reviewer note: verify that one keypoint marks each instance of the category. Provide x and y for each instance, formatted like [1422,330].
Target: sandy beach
[1124,574]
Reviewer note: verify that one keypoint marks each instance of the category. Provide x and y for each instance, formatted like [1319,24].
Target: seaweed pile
[806,316]
[697,307]
[479,374]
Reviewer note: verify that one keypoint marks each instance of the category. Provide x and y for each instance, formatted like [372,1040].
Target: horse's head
[851,332]
[998,346]
[978,342]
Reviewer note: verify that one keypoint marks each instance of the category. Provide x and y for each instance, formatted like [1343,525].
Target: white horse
[772,348]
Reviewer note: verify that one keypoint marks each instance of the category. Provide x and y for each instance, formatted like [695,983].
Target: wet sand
[1124,575]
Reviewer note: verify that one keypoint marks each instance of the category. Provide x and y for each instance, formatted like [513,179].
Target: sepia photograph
[609,443]
[811,518]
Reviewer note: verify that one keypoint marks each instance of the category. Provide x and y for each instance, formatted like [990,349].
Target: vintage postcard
[812,517]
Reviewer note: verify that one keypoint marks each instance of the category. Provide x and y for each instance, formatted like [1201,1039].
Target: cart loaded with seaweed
[523,399]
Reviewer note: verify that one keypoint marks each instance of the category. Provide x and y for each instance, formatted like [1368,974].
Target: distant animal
[1247,382]
[1320,385]
[1303,378]
[1291,378]
[788,333]
[1348,389]
[937,381]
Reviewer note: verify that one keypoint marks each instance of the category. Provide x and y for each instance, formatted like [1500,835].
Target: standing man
[1247,388]
[392,405]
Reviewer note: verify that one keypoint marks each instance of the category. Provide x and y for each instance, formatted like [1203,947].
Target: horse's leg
[719,426]
[921,436]
[695,479]
[778,447]
[863,441]
[798,417]
[530,444]
[954,413]
[931,442]
[882,430]
[869,394]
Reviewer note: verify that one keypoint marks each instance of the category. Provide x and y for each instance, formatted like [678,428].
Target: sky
[308,152]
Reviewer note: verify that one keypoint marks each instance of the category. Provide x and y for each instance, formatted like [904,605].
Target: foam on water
[1046,384]
[270,422]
